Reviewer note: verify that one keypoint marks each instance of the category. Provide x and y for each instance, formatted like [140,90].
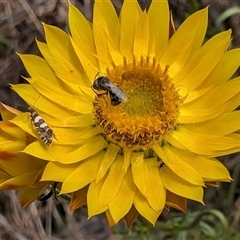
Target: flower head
[18,170]
[147,136]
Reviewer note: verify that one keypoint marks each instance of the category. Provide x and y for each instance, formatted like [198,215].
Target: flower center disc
[150,111]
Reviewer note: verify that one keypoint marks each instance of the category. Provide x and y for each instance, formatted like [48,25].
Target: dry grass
[47,220]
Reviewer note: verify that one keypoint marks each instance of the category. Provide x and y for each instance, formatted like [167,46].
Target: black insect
[161,165]
[44,197]
[44,131]
[117,96]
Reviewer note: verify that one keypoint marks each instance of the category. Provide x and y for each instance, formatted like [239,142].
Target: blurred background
[20,24]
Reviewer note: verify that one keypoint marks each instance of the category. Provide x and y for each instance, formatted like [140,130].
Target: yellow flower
[156,147]
[18,170]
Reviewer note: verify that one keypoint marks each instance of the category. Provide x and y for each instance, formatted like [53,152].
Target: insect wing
[117,91]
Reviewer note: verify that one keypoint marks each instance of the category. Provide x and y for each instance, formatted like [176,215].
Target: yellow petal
[93,199]
[89,68]
[194,114]
[60,46]
[179,50]
[224,69]
[123,201]
[128,24]
[13,130]
[84,151]
[222,125]
[74,136]
[127,159]
[87,171]
[71,85]
[158,15]
[233,103]
[8,112]
[17,163]
[206,167]
[174,142]
[143,207]
[75,103]
[19,182]
[4,176]
[110,219]
[147,179]
[82,35]
[9,143]
[41,150]
[173,160]
[179,186]
[207,57]
[106,162]
[112,182]
[232,136]
[61,56]
[141,37]
[58,172]
[38,68]
[29,195]
[79,121]
[210,168]
[218,95]
[200,143]
[115,55]
[67,140]
[105,19]
[192,95]
[32,98]
[105,11]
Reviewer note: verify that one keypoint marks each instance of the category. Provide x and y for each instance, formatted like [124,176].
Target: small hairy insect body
[117,96]
[44,131]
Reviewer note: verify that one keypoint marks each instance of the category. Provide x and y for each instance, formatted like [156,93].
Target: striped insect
[44,131]
[117,96]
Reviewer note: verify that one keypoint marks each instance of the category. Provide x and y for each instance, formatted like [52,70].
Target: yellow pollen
[151,109]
